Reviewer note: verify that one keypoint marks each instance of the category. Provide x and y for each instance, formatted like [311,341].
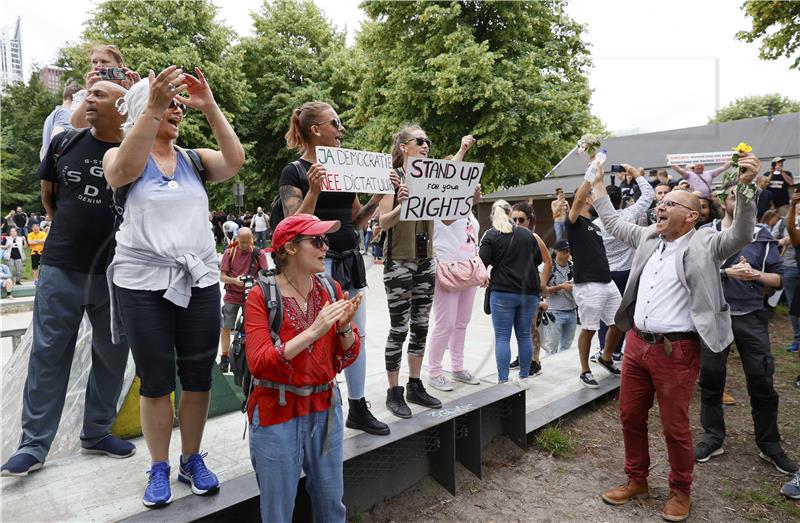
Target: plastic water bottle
[591,171]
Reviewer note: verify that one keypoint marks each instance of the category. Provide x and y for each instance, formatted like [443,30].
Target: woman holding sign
[300,189]
[409,277]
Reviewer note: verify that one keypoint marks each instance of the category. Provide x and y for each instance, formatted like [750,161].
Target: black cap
[561,245]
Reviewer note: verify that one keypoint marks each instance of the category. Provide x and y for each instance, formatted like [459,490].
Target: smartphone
[617,169]
[111,73]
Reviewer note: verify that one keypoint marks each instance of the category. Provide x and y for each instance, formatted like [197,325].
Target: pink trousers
[451,314]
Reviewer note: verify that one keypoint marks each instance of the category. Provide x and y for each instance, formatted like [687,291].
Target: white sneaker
[523,383]
[440,383]
[465,376]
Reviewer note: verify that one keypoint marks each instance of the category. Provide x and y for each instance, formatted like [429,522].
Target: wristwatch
[346,331]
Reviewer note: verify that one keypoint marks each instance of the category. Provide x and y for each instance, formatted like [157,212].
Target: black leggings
[158,331]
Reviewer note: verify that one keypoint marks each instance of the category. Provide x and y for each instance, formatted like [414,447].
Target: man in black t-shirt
[72,281]
[780,182]
[595,293]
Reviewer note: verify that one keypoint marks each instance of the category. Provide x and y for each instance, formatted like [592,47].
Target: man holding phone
[107,65]
[780,181]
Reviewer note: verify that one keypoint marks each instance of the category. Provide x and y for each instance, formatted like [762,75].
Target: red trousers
[647,372]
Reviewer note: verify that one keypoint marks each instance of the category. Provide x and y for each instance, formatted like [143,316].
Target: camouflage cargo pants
[409,288]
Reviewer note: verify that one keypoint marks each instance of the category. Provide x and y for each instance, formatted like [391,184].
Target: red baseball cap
[297,224]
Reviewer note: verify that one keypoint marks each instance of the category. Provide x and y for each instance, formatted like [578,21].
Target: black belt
[652,337]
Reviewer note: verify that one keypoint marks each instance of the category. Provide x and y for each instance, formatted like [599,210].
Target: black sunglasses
[316,241]
[174,104]
[334,122]
[520,219]
[420,141]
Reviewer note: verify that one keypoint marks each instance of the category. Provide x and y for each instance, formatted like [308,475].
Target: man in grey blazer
[672,302]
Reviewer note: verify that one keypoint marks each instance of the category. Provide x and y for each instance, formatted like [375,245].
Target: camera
[111,73]
[422,245]
[617,169]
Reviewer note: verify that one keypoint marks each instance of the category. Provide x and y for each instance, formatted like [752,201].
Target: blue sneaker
[20,464]
[112,446]
[194,472]
[794,346]
[158,493]
[791,489]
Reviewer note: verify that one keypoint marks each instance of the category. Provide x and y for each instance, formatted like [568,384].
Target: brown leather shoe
[677,507]
[624,493]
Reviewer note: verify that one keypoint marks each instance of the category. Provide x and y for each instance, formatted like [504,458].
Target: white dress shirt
[662,304]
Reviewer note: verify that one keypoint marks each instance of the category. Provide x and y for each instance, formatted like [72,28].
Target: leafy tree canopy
[755,106]
[25,107]
[777,25]
[511,73]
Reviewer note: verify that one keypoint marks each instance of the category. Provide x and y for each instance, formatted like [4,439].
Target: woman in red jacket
[295,408]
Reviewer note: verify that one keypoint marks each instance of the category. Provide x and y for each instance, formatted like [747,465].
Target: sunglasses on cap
[420,141]
[334,122]
[316,241]
[175,104]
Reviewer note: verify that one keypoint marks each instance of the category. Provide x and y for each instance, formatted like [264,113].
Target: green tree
[511,73]
[781,40]
[296,55]
[755,106]
[152,35]
[25,107]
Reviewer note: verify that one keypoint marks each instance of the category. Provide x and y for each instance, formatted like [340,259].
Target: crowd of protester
[679,270]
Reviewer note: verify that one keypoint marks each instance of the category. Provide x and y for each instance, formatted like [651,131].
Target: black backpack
[272,298]
[276,207]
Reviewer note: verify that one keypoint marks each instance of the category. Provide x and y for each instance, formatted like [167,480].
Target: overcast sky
[657,65]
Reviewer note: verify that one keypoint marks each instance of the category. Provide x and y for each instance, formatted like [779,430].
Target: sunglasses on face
[420,141]
[334,122]
[671,203]
[316,241]
[177,105]
[520,219]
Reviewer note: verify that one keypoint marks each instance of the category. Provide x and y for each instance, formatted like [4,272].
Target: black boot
[360,418]
[396,403]
[416,393]
[224,364]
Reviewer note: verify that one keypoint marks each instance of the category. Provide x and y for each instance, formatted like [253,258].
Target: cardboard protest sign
[695,158]
[349,170]
[439,189]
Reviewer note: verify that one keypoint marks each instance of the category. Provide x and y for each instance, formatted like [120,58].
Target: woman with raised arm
[295,409]
[165,271]
[313,124]
[408,276]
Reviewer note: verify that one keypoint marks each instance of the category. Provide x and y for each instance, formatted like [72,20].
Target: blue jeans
[367,239]
[566,321]
[356,373]
[560,230]
[261,239]
[61,299]
[280,452]
[517,311]
[791,278]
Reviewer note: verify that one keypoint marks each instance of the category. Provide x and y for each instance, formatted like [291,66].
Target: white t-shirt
[260,222]
[457,241]
[230,226]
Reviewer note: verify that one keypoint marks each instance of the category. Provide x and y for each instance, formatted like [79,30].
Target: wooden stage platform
[93,488]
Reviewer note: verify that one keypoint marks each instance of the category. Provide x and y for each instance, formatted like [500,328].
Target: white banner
[349,170]
[694,158]
[439,189]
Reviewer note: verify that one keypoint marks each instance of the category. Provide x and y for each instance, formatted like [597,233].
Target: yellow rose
[743,148]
